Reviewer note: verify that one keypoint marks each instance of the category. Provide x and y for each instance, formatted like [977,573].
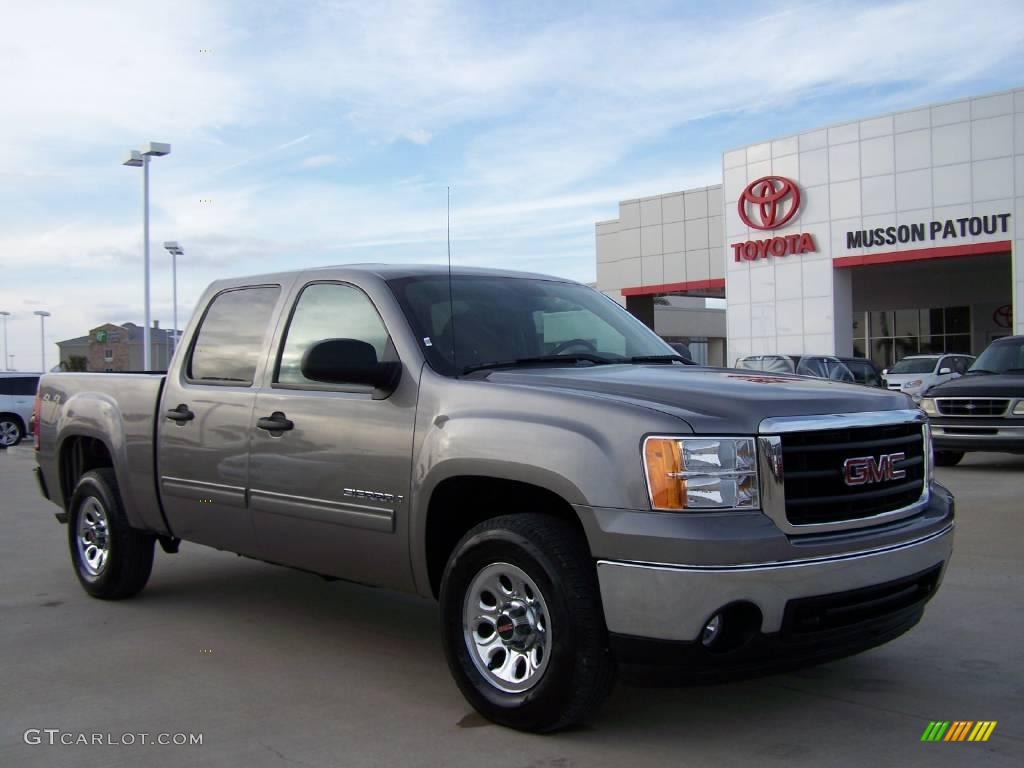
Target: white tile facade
[663,240]
[954,160]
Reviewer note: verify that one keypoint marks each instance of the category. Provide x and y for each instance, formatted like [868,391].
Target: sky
[313,133]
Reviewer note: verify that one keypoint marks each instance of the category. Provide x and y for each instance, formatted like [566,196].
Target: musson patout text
[939,229]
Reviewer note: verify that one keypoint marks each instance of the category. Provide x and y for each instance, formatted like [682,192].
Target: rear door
[17,397]
[328,493]
[203,433]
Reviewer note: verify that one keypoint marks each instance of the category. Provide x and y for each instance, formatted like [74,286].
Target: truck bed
[119,410]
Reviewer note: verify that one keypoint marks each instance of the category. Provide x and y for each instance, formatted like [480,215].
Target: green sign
[101,336]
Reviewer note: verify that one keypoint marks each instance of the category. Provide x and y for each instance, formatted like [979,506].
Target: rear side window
[329,311]
[18,385]
[230,341]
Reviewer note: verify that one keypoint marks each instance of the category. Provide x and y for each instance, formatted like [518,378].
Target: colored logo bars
[958,730]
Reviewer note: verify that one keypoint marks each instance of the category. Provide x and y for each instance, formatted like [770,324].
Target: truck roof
[395,271]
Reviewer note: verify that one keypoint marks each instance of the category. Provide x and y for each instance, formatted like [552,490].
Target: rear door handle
[181,414]
[275,422]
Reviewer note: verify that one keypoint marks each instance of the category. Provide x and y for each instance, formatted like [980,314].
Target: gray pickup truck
[577,497]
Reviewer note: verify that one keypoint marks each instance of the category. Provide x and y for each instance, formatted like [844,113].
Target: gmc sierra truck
[576,496]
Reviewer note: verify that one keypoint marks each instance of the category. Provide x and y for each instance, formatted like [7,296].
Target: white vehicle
[914,374]
[17,396]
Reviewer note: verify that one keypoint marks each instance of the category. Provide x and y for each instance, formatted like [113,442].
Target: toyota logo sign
[774,199]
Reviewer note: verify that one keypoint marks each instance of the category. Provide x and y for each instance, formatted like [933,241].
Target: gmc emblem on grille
[863,470]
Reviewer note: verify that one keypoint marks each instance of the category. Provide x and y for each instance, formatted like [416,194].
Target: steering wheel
[573,343]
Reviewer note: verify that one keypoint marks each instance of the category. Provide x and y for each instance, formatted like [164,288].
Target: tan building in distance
[115,348]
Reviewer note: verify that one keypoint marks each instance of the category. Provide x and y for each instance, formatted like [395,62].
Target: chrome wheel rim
[506,627]
[8,432]
[93,537]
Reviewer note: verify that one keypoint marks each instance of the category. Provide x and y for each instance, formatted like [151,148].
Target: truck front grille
[972,406]
[816,487]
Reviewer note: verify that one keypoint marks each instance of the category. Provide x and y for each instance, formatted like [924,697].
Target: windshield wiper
[979,370]
[660,359]
[581,357]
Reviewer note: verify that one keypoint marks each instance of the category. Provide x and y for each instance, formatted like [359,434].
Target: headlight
[701,473]
[1018,409]
[928,406]
[914,383]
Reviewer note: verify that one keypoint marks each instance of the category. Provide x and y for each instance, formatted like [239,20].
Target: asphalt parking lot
[275,667]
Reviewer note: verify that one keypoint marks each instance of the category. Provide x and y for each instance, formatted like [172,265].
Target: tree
[75,363]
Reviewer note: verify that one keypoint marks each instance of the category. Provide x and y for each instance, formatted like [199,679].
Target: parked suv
[17,394]
[983,410]
[916,373]
[816,366]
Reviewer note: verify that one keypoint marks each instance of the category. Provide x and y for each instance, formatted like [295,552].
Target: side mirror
[945,371]
[349,361]
[885,371]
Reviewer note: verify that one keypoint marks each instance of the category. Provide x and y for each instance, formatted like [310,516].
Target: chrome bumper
[672,602]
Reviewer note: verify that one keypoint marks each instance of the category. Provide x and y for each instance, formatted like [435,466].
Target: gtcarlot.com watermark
[54,736]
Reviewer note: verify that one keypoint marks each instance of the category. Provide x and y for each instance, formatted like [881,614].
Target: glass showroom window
[887,336]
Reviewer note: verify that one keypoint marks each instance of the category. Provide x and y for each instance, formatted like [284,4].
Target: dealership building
[879,238]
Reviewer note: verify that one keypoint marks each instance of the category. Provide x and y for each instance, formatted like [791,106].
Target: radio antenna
[451,296]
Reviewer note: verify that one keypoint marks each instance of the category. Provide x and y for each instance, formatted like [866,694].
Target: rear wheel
[948,458]
[112,560]
[522,625]
[11,431]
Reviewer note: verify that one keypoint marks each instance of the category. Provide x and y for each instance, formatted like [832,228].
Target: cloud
[319,161]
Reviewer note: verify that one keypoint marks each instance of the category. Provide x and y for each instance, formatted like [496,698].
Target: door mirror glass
[349,361]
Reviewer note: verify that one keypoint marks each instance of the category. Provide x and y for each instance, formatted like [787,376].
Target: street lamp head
[156,149]
[133,158]
[5,314]
[41,313]
[173,248]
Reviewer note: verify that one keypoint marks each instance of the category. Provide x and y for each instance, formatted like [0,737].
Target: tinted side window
[328,311]
[812,366]
[19,385]
[230,340]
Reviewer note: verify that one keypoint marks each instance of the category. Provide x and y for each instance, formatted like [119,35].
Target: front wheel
[11,431]
[522,624]
[112,560]
[948,458]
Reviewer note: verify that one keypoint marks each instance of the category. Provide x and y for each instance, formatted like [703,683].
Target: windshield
[500,319]
[914,365]
[1001,357]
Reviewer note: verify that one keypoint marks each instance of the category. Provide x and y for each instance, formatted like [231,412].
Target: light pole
[5,315]
[43,314]
[175,250]
[135,159]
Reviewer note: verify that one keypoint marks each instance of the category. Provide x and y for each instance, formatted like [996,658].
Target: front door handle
[275,422]
[181,414]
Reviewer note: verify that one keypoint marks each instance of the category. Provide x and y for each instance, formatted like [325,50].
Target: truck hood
[710,400]
[981,385]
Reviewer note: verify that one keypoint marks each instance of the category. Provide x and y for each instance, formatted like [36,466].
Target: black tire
[129,552]
[11,425]
[948,458]
[579,669]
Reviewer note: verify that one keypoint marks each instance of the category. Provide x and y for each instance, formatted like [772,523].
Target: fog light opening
[731,627]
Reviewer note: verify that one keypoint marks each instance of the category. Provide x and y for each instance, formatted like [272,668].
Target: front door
[204,417]
[328,488]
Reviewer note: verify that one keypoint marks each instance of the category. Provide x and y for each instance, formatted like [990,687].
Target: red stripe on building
[921,254]
[694,285]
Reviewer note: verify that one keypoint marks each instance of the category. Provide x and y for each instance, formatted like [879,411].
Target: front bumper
[674,603]
[978,434]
